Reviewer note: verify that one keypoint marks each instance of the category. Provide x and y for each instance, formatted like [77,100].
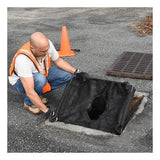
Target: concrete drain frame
[94,132]
[132,65]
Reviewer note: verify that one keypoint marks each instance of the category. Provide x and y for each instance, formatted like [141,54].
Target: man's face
[40,51]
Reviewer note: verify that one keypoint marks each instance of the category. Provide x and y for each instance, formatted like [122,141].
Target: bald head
[38,39]
[39,44]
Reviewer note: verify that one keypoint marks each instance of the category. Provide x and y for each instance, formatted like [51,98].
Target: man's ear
[31,47]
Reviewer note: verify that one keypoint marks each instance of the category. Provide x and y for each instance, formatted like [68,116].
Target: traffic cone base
[65,49]
[64,54]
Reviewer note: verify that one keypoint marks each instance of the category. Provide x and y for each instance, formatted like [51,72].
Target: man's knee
[56,74]
[67,76]
[39,80]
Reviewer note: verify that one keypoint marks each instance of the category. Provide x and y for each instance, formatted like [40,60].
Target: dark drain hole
[96,108]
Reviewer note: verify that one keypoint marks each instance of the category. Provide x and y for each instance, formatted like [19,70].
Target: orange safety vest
[26,50]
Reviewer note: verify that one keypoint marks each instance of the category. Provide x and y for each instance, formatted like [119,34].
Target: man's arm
[64,65]
[28,84]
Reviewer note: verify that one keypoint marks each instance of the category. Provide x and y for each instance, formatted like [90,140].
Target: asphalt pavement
[101,34]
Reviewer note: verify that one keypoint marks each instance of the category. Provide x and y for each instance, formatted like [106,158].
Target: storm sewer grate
[132,64]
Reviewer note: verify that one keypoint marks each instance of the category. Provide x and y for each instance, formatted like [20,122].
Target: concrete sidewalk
[101,34]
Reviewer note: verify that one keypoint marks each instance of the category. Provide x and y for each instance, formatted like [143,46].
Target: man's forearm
[64,65]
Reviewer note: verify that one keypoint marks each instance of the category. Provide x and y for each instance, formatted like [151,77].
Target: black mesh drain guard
[98,104]
[132,64]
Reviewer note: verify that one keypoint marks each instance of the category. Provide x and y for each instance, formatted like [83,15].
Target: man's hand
[50,114]
[77,71]
[82,76]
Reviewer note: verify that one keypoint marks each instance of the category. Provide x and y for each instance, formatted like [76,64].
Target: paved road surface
[101,34]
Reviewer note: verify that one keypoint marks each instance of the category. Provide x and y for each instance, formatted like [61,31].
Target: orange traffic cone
[65,45]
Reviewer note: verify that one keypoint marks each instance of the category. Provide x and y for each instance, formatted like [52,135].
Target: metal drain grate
[132,64]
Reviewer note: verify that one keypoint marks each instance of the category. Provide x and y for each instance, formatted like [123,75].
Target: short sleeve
[23,66]
[52,51]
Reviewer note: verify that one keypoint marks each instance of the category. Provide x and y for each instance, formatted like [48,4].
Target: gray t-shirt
[24,67]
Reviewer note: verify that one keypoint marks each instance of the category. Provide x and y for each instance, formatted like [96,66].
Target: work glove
[50,114]
[81,75]
[77,71]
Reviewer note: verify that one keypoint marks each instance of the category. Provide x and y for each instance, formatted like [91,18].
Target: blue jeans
[56,78]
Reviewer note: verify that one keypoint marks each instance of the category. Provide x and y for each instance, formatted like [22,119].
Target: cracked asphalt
[101,34]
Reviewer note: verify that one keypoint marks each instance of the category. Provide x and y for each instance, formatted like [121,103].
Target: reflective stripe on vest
[25,49]
[35,61]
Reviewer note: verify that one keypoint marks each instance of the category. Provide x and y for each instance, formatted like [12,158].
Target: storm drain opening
[96,108]
[132,64]
[98,104]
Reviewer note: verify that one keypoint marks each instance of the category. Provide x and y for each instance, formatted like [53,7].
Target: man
[32,74]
